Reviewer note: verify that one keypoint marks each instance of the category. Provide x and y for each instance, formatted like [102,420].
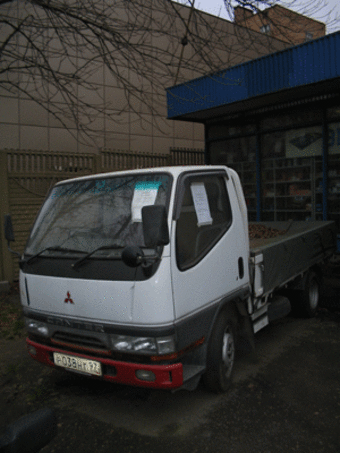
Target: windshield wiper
[54,249]
[103,247]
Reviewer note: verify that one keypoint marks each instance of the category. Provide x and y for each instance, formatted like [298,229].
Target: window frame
[265,29]
[180,190]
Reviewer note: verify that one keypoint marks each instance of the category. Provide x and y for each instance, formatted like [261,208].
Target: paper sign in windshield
[201,203]
[144,195]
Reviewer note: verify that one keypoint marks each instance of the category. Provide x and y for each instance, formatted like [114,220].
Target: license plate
[77,364]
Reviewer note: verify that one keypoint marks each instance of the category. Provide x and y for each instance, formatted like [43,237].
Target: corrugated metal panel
[308,63]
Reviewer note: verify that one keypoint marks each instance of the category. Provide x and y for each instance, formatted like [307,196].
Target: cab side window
[204,217]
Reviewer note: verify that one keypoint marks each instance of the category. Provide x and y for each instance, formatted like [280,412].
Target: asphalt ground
[285,397]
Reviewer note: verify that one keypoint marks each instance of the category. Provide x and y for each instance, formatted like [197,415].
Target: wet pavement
[285,398]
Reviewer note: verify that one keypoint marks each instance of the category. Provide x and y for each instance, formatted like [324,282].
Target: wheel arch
[238,307]
[299,283]
[220,349]
[300,293]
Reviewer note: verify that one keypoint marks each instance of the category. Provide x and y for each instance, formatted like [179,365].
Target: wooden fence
[27,176]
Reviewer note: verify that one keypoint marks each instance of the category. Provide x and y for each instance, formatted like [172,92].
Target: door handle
[240,267]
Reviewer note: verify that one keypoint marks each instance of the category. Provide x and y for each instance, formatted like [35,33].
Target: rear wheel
[221,353]
[310,295]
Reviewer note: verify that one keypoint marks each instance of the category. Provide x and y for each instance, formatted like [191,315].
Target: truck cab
[126,276]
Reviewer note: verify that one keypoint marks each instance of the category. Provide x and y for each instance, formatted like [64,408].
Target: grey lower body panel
[199,324]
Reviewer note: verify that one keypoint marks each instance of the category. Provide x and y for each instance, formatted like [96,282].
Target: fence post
[97,163]
[6,259]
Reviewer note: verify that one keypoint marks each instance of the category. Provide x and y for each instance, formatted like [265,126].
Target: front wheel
[221,353]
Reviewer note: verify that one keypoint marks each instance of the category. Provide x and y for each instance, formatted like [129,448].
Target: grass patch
[11,318]
[38,394]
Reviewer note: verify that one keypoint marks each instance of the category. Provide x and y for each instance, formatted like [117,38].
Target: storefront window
[334,173]
[228,129]
[289,175]
[294,143]
[333,113]
[292,183]
[273,145]
[304,142]
[334,138]
[228,152]
[300,117]
[239,154]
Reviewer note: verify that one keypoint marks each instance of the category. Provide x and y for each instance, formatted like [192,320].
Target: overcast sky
[317,9]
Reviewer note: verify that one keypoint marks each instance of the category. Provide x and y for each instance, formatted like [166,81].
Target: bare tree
[55,51]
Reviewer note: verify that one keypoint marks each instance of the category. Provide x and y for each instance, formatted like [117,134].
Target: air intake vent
[80,343]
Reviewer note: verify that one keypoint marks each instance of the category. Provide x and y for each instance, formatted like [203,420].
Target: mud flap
[246,332]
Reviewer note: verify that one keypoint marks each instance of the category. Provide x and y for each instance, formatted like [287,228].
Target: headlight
[37,327]
[143,345]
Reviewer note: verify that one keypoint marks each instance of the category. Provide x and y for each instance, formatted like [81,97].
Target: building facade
[279,128]
[164,43]
[281,23]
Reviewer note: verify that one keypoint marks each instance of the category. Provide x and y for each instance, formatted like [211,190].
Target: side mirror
[30,433]
[155,226]
[9,233]
[132,256]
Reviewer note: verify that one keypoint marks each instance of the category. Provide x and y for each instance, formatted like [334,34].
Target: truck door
[209,255]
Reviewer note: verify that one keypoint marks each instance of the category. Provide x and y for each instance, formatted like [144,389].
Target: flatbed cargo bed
[295,247]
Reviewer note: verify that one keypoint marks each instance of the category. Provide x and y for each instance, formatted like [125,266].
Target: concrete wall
[125,123]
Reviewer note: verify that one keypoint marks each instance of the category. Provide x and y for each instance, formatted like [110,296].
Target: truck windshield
[102,213]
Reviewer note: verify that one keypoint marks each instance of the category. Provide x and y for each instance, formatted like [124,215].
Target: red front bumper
[166,376]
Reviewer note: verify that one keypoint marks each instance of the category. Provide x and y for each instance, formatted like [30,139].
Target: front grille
[80,343]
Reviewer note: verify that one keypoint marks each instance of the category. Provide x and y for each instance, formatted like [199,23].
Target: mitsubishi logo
[68,298]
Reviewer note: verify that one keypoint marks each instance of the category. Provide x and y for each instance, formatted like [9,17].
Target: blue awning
[304,65]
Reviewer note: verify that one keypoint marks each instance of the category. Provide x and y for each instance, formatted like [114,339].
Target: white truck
[148,277]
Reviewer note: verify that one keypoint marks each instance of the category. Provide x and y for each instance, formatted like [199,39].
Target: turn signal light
[175,355]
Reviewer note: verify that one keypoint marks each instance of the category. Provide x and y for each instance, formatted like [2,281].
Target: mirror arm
[148,261]
[13,251]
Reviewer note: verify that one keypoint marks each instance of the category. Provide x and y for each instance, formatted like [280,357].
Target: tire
[310,299]
[221,353]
